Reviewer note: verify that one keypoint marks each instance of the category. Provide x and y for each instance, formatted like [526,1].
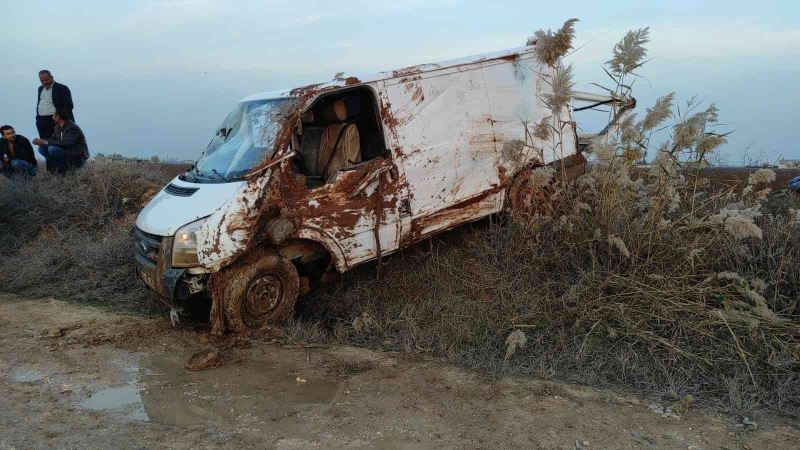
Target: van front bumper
[153,261]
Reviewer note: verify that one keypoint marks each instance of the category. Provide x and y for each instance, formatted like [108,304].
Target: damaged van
[300,183]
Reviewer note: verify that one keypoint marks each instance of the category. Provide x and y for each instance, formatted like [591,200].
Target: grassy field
[70,237]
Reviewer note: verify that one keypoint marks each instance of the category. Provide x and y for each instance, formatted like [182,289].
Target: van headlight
[184,245]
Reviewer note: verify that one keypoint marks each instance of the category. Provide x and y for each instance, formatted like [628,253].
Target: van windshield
[244,139]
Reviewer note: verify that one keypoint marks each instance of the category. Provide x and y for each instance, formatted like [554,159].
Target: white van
[325,177]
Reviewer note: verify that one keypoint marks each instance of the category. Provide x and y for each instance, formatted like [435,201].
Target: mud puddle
[124,399]
[267,393]
[26,375]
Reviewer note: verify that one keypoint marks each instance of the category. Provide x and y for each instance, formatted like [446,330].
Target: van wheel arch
[313,259]
[322,238]
[524,197]
[303,251]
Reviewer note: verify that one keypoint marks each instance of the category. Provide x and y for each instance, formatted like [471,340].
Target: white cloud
[299,21]
[705,41]
[383,7]
[163,15]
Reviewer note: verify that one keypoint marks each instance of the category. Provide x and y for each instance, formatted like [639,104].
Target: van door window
[338,132]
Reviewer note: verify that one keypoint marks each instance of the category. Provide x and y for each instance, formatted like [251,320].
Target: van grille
[179,191]
[147,245]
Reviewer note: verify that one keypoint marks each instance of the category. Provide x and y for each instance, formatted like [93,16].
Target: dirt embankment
[79,377]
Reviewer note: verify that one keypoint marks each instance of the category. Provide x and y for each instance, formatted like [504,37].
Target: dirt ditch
[79,377]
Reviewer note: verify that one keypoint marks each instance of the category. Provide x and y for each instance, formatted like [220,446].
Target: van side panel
[444,137]
[516,91]
[515,98]
[345,211]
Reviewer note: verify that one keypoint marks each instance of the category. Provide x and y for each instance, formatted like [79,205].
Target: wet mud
[106,380]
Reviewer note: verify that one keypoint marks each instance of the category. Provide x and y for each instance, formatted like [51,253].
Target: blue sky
[154,77]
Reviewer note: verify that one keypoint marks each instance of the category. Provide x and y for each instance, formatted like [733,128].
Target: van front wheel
[259,292]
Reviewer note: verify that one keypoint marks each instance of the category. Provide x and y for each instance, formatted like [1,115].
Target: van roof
[510,54]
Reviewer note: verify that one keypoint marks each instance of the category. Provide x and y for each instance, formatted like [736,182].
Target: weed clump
[70,236]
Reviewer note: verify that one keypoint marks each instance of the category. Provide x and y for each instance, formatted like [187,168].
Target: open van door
[353,206]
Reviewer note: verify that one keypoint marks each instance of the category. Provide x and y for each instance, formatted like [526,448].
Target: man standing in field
[66,148]
[51,96]
[16,153]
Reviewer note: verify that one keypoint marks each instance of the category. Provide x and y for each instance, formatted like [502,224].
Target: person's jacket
[22,150]
[70,137]
[62,99]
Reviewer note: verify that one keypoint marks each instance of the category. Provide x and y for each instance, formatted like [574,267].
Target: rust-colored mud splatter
[204,360]
[410,79]
[332,207]
[406,72]
[418,96]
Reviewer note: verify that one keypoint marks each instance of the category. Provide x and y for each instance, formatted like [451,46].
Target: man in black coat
[16,153]
[51,96]
[66,148]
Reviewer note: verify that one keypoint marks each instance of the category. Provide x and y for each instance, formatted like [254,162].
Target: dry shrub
[70,237]
[631,290]
[86,200]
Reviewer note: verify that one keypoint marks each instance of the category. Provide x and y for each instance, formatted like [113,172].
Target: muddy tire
[259,291]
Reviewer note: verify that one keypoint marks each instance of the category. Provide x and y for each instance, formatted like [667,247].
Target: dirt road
[79,377]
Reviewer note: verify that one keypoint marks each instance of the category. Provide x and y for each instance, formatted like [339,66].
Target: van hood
[181,202]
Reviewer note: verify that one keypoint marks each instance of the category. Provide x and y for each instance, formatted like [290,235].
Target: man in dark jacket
[16,153]
[66,148]
[51,96]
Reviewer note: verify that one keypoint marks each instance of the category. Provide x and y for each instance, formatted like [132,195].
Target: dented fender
[226,234]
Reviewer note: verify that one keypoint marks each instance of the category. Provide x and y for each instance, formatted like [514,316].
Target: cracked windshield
[244,139]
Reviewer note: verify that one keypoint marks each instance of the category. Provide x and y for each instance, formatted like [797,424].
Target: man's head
[8,132]
[60,116]
[46,78]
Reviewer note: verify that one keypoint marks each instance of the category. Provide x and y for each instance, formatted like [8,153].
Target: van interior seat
[340,145]
[309,146]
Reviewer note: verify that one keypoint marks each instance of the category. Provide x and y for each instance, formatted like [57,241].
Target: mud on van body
[326,177]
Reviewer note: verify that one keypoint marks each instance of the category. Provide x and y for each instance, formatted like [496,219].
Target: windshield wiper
[219,175]
[192,174]
[198,176]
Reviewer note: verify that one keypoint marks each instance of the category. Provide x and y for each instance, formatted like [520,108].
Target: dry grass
[662,300]
[70,237]
[552,45]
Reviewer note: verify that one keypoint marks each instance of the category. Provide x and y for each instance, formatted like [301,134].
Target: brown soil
[78,377]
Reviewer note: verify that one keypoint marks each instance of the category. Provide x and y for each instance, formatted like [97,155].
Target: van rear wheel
[529,196]
[260,291]
[526,196]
